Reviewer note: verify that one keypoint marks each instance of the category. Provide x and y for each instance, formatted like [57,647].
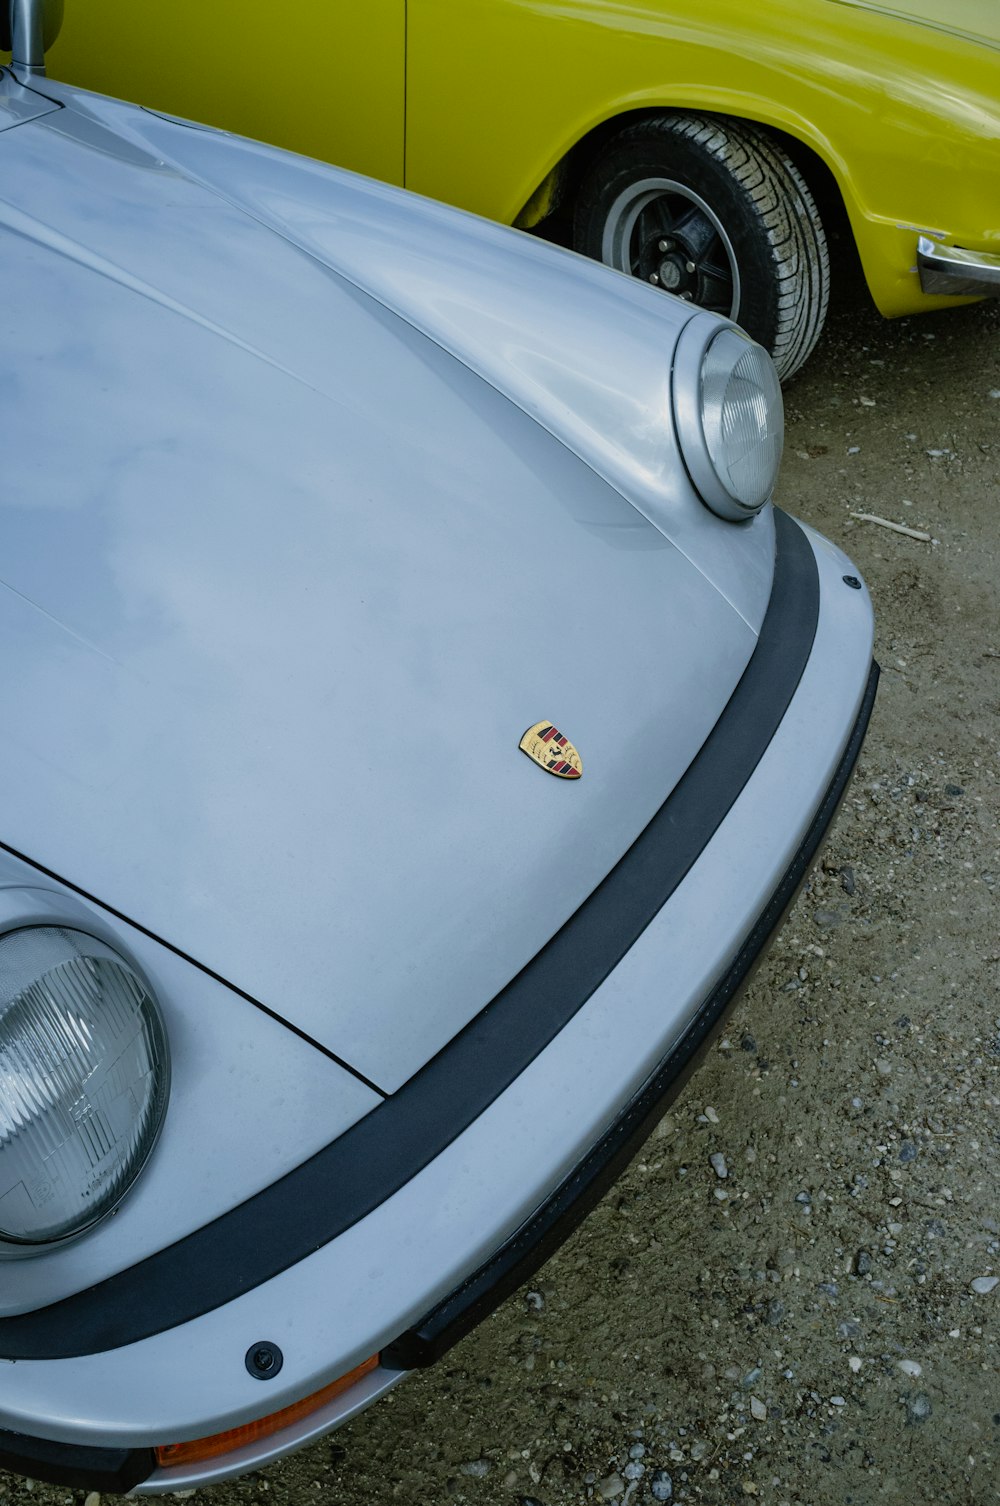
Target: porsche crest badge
[551,751]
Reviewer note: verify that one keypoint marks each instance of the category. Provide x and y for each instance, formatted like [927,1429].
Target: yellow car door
[325,79]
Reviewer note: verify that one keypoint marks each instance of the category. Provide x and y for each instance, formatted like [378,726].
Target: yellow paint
[324,77]
[498,92]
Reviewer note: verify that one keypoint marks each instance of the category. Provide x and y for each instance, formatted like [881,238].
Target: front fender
[585,352]
[906,117]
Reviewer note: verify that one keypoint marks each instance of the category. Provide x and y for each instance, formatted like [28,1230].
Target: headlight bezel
[687,379]
[107,947]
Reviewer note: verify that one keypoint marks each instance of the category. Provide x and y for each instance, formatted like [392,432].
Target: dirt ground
[805,1329]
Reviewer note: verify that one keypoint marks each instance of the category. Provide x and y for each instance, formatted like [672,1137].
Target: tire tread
[784,208]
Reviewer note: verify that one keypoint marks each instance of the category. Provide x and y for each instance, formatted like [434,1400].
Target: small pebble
[838,1401]
[855,1363]
[984,1284]
[719,1166]
[919,1408]
[757,1409]
[610,1487]
[862,1262]
[910,1367]
[883,1066]
[661,1487]
[93,1498]
[634,1470]
[711,1115]
[637,1451]
[477,1468]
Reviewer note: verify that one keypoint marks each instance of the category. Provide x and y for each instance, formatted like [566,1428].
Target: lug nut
[666,245]
[690,266]
[654,277]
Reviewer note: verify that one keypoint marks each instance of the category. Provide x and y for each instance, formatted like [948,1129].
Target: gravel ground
[790,1295]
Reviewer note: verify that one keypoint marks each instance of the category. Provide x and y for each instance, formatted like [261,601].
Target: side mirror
[27,28]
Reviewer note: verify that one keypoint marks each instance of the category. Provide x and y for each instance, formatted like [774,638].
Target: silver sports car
[417,719]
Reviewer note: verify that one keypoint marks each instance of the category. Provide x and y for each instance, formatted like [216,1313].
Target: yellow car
[706,146]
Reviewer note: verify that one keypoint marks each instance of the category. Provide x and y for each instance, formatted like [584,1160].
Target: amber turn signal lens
[168,1454]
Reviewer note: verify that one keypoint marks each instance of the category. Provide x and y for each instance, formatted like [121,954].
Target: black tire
[714,210]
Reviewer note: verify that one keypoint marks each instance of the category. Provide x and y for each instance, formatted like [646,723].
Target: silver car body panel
[266,677]
[384,1272]
[19,104]
[535,322]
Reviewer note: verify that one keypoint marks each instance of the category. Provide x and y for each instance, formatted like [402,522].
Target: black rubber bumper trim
[358,1171]
[112,1469]
[517,1260]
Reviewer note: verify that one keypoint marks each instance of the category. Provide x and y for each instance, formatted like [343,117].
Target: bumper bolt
[263,1360]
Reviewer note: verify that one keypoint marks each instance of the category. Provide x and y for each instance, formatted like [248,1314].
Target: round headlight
[84,1080]
[732,437]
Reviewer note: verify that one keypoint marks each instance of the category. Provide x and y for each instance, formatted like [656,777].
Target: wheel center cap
[671,273]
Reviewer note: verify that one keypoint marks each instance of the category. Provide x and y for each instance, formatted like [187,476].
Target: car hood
[283,584]
[976,20]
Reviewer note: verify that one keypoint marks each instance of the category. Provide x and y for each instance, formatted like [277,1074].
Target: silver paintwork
[507,307]
[289,608]
[18,104]
[957,272]
[345,1301]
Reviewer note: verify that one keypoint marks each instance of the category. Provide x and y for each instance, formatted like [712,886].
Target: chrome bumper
[960,273]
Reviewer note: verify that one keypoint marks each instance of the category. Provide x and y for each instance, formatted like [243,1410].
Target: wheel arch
[813,154]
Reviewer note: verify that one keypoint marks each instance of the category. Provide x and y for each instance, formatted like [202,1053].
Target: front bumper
[428,1259]
[957,272]
[552,1225]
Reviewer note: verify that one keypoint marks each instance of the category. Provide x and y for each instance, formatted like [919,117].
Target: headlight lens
[732,438]
[84,1079]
